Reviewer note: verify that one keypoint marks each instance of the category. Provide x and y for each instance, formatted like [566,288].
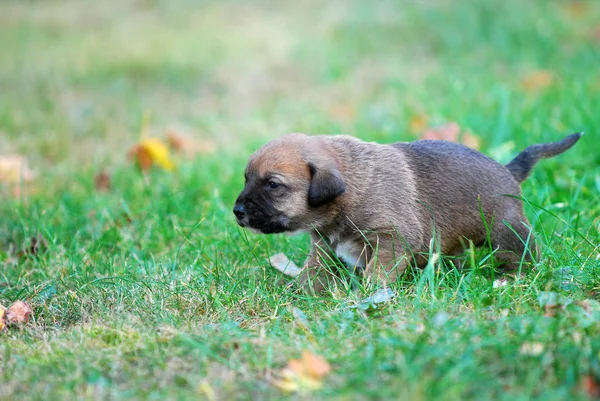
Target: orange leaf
[452,132]
[304,374]
[141,157]
[315,366]
[19,312]
[590,386]
[150,152]
[102,181]
[537,80]
[446,132]
[470,140]
[576,8]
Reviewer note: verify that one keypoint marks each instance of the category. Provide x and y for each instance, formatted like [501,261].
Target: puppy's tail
[521,166]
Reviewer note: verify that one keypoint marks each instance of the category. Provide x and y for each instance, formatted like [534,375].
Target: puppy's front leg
[389,257]
[316,275]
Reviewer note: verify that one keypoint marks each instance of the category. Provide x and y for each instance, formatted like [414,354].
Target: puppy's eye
[273,184]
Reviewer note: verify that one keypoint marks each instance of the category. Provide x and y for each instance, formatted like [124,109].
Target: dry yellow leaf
[151,151]
[159,152]
[2,317]
[417,124]
[304,374]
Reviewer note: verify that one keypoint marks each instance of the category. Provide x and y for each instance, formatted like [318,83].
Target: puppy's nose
[239,210]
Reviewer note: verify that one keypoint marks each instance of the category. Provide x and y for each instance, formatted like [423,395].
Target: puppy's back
[447,164]
[455,182]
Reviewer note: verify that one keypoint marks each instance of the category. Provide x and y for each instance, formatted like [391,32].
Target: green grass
[152,291]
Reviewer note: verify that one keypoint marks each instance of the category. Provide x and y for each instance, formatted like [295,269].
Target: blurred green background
[76,76]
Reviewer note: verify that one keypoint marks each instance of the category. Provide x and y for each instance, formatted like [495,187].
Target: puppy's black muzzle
[239,210]
[257,214]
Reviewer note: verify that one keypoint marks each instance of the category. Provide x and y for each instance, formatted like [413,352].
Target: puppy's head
[292,184]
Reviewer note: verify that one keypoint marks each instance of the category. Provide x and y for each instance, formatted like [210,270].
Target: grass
[151,291]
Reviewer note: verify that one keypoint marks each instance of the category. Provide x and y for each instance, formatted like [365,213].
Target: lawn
[149,290]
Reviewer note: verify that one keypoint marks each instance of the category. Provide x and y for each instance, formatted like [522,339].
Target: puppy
[376,207]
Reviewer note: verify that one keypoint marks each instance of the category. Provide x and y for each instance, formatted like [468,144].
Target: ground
[150,290]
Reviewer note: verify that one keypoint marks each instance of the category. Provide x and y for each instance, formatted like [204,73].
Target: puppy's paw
[313,284]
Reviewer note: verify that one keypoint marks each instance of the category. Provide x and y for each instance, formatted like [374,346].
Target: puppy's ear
[325,185]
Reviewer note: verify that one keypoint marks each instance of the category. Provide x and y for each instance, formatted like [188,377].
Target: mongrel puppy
[377,207]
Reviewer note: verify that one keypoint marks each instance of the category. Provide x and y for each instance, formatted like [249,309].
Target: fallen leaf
[19,312]
[189,145]
[15,173]
[149,152]
[36,244]
[417,124]
[531,348]
[446,132]
[590,386]
[467,138]
[102,181]
[304,374]
[576,8]
[175,140]
[14,169]
[537,81]
[206,390]
[451,132]
[2,318]
[595,35]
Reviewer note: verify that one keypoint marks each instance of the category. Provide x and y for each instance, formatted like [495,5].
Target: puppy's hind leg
[387,259]
[514,244]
